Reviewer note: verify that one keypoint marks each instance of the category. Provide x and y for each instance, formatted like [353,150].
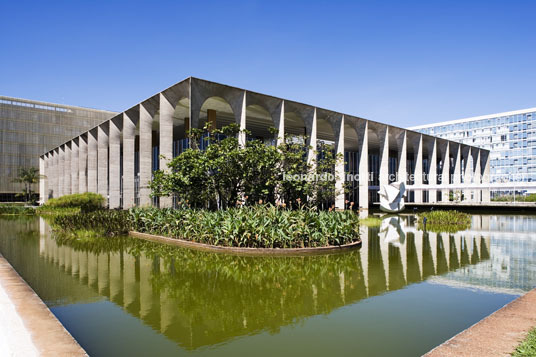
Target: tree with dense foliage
[226,174]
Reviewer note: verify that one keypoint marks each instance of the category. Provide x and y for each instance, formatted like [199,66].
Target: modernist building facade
[511,139]
[117,157]
[28,128]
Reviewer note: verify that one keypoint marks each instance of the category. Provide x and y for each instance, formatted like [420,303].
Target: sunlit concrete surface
[27,327]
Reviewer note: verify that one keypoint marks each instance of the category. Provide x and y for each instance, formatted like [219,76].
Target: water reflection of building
[512,263]
[199,299]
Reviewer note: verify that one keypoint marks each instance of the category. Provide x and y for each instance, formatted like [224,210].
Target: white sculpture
[392,197]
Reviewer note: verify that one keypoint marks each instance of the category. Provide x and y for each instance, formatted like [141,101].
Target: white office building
[511,139]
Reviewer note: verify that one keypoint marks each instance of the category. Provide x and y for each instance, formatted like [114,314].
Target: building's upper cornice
[47,105]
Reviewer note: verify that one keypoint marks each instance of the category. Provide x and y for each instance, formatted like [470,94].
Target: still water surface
[401,294]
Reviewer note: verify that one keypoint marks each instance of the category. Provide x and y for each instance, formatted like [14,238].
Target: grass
[444,221]
[527,347]
[9,209]
[371,221]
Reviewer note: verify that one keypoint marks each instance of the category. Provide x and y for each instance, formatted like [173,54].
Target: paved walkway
[27,327]
[496,335]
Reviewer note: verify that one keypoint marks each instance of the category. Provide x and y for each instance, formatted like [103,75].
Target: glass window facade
[511,140]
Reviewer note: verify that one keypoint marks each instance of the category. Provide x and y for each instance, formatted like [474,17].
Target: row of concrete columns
[92,161]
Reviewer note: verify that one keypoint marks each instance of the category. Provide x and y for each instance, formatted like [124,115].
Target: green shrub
[16,209]
[86,202]
[444,221]
[102,222]
[261,226]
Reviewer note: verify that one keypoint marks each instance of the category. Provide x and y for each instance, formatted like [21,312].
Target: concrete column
[281,124]
[102,166]
[129,135]
[311,155]
[74,166]
[146,139]
[61,167]
[402,158]
[114,163]
[432,171]
[484,165]
[445,175]
[43,160]
[82,164]
[53,172]
[418,171]
[477,179]
[67,170]
[166,140]
[339,167]
[242,134]
[92,161]
[383,137]
[467,173]
[456,177]
[362,138]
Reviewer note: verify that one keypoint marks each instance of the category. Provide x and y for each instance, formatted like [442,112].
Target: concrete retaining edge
[498,334]
[46,332]
[285,252]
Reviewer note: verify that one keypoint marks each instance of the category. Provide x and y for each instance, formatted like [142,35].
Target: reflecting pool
[402,293]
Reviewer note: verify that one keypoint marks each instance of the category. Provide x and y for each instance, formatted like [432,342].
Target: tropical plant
[28,177]
[259,226]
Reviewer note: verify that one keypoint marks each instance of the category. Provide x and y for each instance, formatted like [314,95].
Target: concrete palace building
[28,128]
[511,139]
[117,158]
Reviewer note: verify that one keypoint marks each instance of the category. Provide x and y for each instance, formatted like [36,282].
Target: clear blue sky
[399,62]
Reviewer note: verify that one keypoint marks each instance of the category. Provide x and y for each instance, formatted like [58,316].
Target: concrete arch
[200,91]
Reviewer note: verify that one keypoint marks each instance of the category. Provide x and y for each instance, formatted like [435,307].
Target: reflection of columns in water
[116,280]
[341,286]
[42,232]
[315,298]
[62,257]
[83,266]
[377,282]
[103,274]
[149,299]
[404,258]
[464,260]
[442,265]
[168,307]
[364,253]
[432,238]
[454,261]
[384,255]
[484,248]
[75,264]
[419,239]
[92,270]
[396,276]
[475,251]
[130,284]
[458,247]
[428,267]
[413,269]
